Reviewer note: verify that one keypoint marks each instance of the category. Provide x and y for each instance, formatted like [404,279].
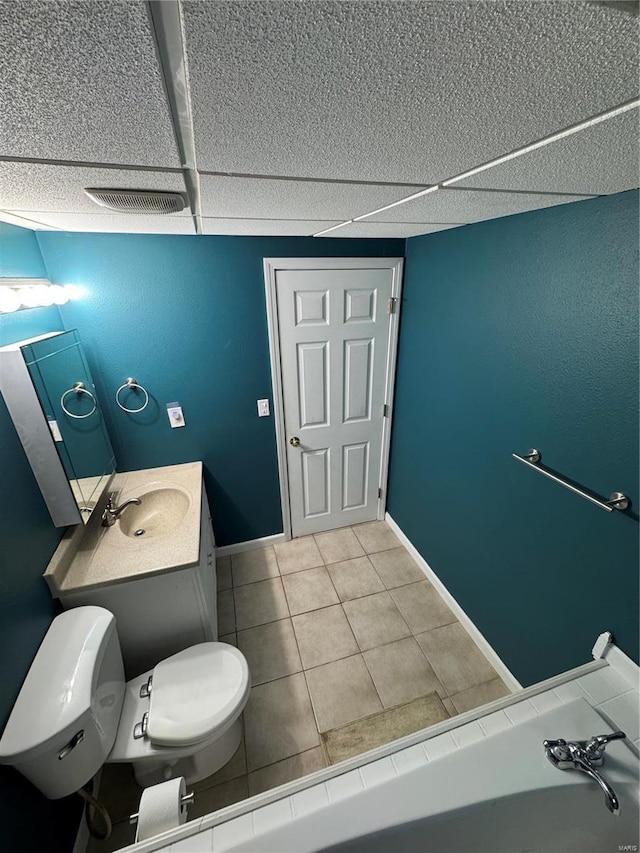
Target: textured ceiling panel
[468,206]
[265,227]
[600,160]
[266,199]
[396,91]
[79,80]
[34,186]
[114,223]
[388,229]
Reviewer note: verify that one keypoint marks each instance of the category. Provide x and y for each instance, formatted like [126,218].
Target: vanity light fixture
[20,293]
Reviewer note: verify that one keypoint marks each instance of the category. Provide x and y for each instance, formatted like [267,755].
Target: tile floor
[335,627]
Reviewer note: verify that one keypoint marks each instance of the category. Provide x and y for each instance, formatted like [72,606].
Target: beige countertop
[95,556]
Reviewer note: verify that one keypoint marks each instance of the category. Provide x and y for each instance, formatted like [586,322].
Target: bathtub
[498,795]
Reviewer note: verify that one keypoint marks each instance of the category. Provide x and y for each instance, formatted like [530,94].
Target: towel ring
[78,388]
[131,383]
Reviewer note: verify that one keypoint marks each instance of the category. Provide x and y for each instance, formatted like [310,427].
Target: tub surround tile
[455,658]
[297,555]
[223,573]
[375,620]
[310,800]
[355,578]
[439,746]
[378,772]
[396,568]
[309,590]
[495,723]
[272,816]
[375,536]
[338,545]
[202,842]
[253,566]
[625,710]
[219,797]
[259,603]
[286,770]
[345,785]
[226,612]
[401,672]
[521,712]
[473,697]
[271,650]
[233,832]
[468,734]
[421,606]
[279,721]
[323,636]
[342,691]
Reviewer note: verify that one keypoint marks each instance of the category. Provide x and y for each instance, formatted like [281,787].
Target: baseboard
[485,647]
[250,545]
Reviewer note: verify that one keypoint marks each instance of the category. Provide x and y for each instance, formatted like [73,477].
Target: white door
[336,330]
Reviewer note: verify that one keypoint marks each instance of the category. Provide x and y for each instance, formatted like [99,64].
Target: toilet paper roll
[161,808]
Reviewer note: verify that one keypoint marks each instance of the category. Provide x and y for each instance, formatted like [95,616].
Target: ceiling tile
[265,227]
[603,159]
[389,229]
[34,186]
[468,206]
[79,80]
[114,223]
[258,198]
[396,91]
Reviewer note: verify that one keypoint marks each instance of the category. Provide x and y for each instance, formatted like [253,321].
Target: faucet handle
[598,743]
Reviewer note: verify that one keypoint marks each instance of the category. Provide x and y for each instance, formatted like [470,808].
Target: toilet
[75,711]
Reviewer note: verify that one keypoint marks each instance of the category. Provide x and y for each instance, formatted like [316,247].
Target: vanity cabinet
[160,614]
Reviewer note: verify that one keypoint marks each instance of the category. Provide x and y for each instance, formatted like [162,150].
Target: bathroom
[518,320]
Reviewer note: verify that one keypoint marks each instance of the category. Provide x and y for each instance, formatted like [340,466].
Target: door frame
[271,267]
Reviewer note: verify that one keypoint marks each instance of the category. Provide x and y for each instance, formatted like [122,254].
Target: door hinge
[379,493]
[393,304]
[385,411]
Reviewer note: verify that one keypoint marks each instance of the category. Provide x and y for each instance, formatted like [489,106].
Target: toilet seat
[195,692]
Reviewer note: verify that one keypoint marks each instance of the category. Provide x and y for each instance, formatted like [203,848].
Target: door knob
[294,441]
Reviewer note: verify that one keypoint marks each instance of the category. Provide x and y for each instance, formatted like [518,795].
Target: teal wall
[27,541]
[522,332]
[186,317]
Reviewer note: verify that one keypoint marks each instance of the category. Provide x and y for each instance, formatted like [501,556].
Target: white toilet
[75,712]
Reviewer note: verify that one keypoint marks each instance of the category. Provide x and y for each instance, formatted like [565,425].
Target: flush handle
[75,740]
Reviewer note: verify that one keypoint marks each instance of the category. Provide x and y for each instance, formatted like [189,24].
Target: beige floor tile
[421,606]
[298,554]
[271,651]
[119,791]
[231,639]
[279,721]
[375,536]
[258,603]
[455,658]
[337,545]
[473,697]
[341,692]
[375,620]
[286,771]
[401,673]
[451,709]
[237,766]
[396,568]
[309,590]
[354,578]
[122,835]
[223,573]
[324,635]
[226,612]
[219,797]
[253,566]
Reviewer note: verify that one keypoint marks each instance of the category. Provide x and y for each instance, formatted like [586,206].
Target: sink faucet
[112,512]
[585,756]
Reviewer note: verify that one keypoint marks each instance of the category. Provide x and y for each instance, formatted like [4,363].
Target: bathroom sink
[160,512]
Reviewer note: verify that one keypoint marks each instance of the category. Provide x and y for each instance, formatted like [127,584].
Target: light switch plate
[263,409]
[175,414]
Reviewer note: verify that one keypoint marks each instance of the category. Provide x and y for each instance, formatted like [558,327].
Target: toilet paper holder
[185,800]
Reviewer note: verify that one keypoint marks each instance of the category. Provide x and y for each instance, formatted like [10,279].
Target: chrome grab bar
[617,500]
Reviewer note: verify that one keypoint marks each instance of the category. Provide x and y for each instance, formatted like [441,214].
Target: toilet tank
[64,721]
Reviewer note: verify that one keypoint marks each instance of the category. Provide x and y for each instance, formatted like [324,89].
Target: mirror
[50,394]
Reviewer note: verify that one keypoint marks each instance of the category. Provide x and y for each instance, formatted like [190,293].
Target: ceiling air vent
[137,201]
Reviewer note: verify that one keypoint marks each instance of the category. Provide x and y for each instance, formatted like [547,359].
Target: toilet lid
[195,692]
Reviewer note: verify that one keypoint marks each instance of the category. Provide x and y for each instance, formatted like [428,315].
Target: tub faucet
[585,756]
[112,512]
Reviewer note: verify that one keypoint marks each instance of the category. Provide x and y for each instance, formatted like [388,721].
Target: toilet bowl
[75,712]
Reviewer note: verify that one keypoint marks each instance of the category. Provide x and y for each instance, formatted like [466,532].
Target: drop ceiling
[308,117]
